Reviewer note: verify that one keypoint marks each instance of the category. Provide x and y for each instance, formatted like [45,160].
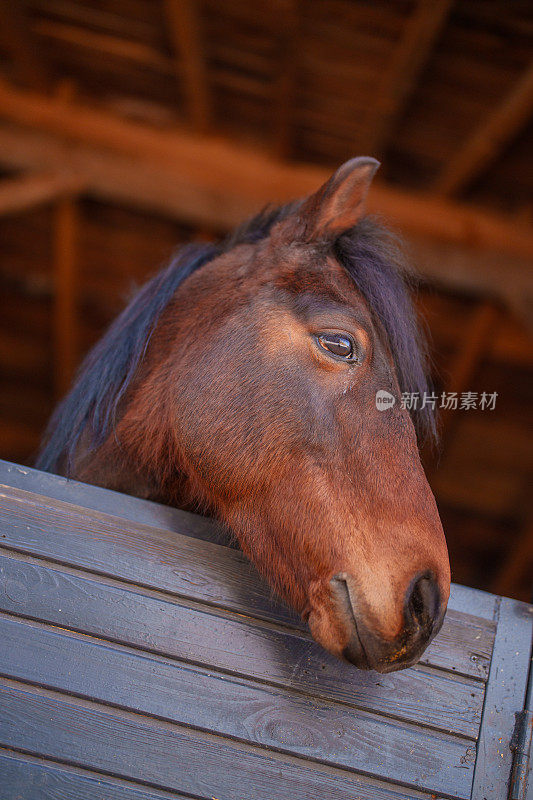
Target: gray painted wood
[260,714]
[144,658]
[480,604]
[235,645]
[110,502]
[505,696]
[25,777]
[141,554]
[168,756]
[195,569]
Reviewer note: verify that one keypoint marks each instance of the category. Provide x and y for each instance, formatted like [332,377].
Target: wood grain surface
[142,657]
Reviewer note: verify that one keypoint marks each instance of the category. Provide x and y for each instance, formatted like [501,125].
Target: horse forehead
[311,289]
[286,277]
[309,269]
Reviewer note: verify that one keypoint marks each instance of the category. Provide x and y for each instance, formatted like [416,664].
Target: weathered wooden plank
[235,644]
[462,598]
[473,601]
[199,570]
[25,777]
[209,181]
[109,502]
[170,757]
[506,691]
[254,713]
[464,645]
[149,556]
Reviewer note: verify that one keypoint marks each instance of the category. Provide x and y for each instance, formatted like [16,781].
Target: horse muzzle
[357,639]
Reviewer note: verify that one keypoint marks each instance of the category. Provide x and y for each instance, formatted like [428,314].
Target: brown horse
[241,381]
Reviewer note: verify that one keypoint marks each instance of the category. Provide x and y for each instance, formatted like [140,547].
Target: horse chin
[338,638]
[352,652]
[355,653]
[364,656]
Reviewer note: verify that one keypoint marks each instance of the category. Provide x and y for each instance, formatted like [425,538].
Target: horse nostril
[355,632]
[422,602]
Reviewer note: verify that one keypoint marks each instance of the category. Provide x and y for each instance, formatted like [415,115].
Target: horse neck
[136,458]
[110,467]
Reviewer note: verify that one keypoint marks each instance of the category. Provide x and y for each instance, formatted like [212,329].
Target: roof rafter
[65,321]
[403,72]
[17,39]
[453,260]
[287,78]
[490,139]
[250,178]
[209,181]
[183,18]
[28,191]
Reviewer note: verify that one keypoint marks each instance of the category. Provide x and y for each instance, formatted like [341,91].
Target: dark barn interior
[128,127]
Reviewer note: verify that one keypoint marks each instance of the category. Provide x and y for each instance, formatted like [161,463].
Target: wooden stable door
[141,657]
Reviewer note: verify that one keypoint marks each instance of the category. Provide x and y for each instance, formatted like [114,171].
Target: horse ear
[340,203]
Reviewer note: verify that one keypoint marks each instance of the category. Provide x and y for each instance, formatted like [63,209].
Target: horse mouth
[366,649]
[354,652]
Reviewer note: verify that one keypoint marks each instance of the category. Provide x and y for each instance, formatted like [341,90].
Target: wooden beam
[150,185]
[17,39]
[65,239]
[288,46]
[65,326]
[219,182]
[510,342]
[402,73]
[104,44]
[183,19]
[483,272]
[28,191]
[490,139]
[474,343]
[215,183]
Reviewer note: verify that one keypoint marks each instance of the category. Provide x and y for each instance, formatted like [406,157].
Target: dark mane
[373,257]
[110,366]
[367,252]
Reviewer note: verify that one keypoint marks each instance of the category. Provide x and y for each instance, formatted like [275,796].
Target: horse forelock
[375,260]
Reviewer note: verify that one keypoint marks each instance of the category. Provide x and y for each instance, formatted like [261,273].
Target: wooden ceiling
[206,111]
[441,91]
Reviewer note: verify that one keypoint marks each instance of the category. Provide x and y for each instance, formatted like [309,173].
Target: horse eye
[338,344]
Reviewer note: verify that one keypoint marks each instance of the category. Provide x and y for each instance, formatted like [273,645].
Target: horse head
[270,397]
